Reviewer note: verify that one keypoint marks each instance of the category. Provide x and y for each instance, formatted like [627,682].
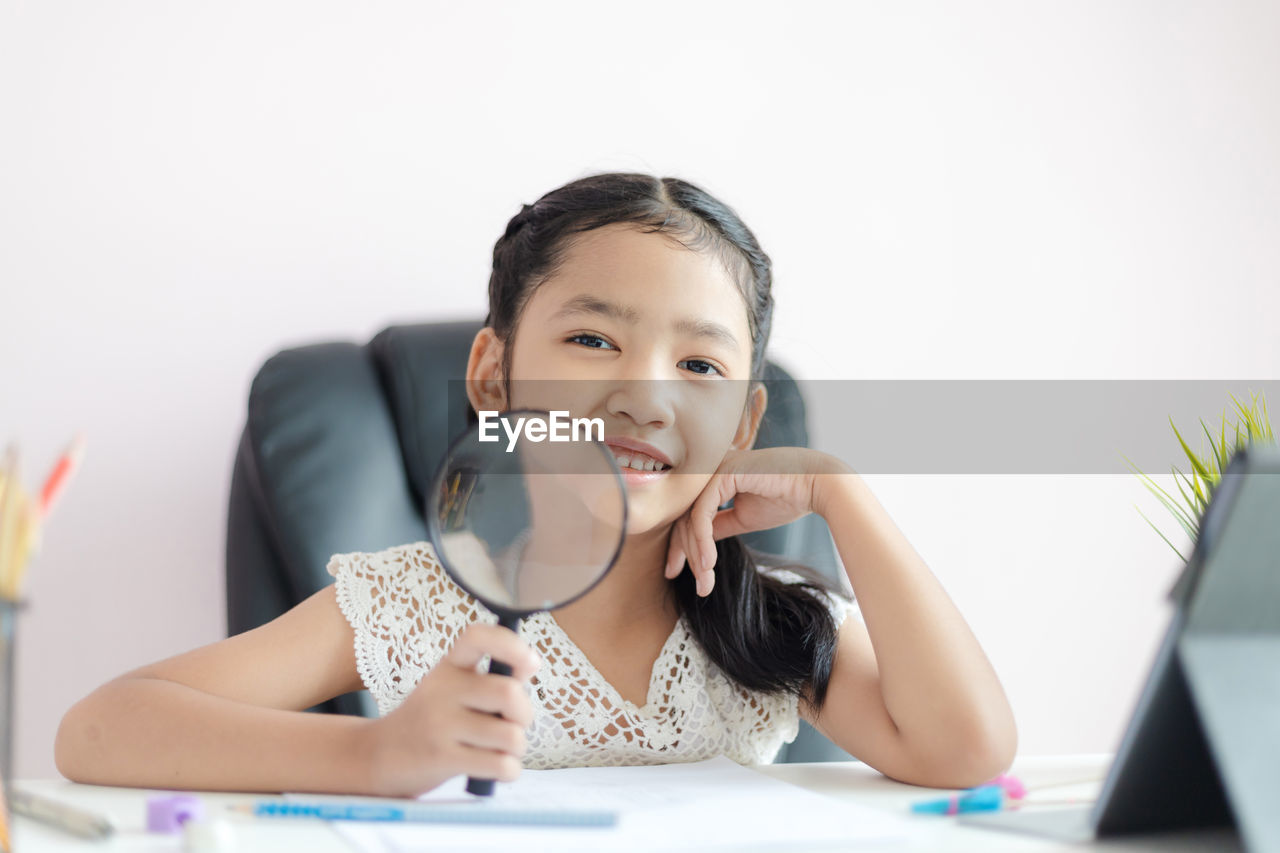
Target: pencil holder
[9,611]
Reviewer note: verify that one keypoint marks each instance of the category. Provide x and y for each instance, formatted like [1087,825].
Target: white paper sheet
[699,805]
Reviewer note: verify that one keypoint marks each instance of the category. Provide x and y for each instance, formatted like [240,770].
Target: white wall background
[978,190]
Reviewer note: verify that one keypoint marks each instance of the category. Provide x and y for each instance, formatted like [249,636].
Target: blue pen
[479,812]
[984,798]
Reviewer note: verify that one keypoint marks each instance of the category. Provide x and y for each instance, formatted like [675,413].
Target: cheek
[681,491]
[554,393]
[708,436]
[705,451]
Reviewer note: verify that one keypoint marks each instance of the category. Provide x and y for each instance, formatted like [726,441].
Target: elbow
[65,743]
[984,745]
[77,740]
[982,762]
[967,756]
[976,758]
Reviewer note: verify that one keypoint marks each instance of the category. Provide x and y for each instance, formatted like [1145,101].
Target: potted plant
[1251,425]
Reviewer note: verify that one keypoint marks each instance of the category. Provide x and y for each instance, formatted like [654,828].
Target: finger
[727,523]
[680,536]
[703,579]
[701,516]
[497,694]
[480,763]
[478,640]
[675,553]
[485,731]
[675,562]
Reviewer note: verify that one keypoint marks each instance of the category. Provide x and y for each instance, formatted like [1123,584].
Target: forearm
[153,733]
[936,682]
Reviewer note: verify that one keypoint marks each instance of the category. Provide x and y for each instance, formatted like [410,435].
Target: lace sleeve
[839,606]
[405,613]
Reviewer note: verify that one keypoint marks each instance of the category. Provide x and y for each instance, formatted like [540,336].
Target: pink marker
[1011,784]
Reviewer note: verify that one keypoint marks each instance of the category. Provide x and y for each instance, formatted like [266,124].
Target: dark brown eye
[588,337]
[706,363]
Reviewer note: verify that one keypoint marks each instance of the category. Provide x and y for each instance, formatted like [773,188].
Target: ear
[752,415]
[484,372]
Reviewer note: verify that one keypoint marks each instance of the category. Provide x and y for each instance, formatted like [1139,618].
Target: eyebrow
[588,304]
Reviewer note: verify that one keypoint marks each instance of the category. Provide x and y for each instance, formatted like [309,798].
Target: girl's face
[648,336]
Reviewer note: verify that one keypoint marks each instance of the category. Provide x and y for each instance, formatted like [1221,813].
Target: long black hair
[766,634]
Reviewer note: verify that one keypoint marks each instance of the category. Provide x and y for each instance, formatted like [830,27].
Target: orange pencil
[62,472]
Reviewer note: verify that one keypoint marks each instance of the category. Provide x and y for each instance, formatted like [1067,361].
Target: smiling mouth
[633,461]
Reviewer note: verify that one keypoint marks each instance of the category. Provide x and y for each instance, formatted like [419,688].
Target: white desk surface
[844,780]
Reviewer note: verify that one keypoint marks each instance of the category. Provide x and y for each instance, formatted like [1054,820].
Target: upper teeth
[639,463]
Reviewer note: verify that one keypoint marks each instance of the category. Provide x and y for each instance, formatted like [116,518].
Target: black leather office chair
[339,444]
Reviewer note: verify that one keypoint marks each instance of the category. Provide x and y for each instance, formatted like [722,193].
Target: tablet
[1201,746]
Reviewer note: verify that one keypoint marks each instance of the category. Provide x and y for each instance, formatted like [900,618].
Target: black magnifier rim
[436,534]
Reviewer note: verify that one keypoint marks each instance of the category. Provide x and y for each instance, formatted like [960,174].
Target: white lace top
[406,613]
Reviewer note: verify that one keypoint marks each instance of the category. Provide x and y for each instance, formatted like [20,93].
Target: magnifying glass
[527,527]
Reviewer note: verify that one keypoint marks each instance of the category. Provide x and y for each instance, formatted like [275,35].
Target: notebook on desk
[1200,746]
[696,806]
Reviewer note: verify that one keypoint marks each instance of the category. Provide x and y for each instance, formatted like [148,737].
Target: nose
[645,401]
[644,392]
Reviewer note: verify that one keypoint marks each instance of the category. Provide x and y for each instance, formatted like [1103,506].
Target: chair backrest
[340,442]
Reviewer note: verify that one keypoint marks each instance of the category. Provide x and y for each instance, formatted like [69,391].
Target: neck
[634,588]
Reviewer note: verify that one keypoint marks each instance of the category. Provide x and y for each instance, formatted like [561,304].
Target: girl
[687,649]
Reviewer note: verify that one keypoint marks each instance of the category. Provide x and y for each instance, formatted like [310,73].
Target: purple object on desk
[168,813]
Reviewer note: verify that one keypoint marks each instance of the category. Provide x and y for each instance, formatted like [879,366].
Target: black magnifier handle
[484,787]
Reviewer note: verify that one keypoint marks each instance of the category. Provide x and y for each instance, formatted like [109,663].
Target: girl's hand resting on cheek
[447,727]
[762,498]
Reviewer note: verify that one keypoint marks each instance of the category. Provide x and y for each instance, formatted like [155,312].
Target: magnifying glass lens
[530,529]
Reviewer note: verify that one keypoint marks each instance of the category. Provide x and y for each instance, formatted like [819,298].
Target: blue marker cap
[985,798]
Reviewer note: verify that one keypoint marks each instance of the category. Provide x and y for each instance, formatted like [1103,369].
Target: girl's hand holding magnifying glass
[456,720]
[769,487]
